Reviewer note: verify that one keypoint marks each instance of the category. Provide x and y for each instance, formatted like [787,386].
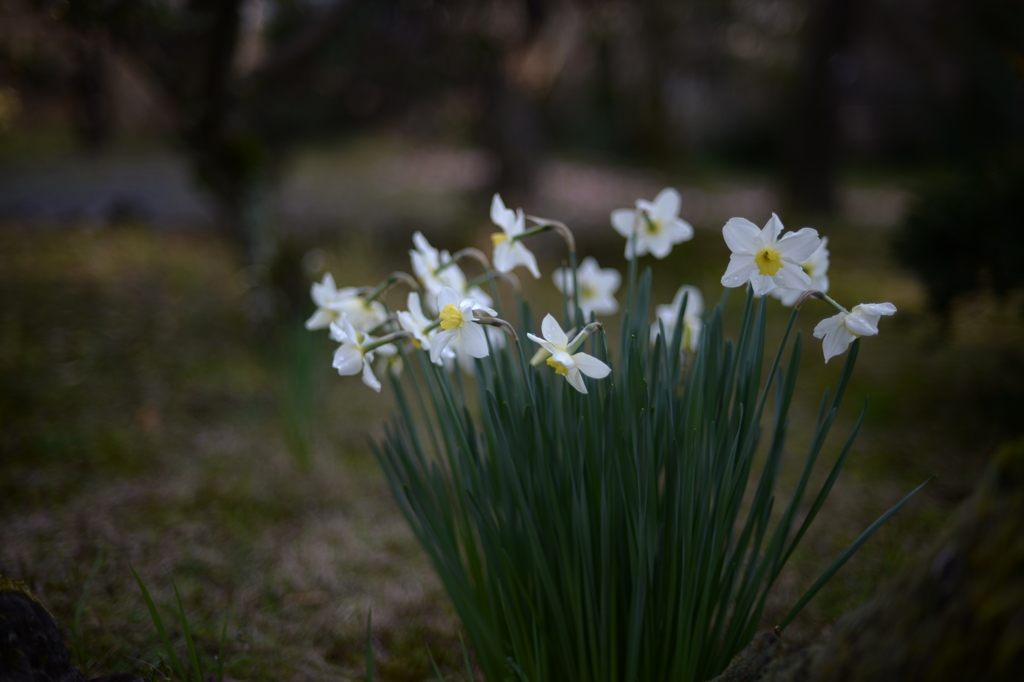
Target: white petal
[876,308]
[666,205]
[588,268]
[608,280]
[771,230]
[741,236]
[862,325]
[836,342]
[741,268]
[446,297]
[546,345]
[518,226]
[552,332]
[440,342]
[500,215]
[321,319]
[369,378]
[678,230]
[520,255]
[660,245]
[348,360]
[798,246]
[479,297]
[623,220]
[591,366]
[828,324]
[601,305]
[575,379]
[791,277]
[761,284]
[474,340]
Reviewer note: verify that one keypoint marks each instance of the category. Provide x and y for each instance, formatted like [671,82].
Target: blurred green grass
[147,418]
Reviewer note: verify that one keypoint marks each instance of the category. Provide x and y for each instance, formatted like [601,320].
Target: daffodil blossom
[426,264]
[458,324]
[839,331]
[415,322]
[597,286]
[332,303]
[692,321]
[509,251]
[764,260]
[653,227]
[353,356]
[816,268]
[570,365]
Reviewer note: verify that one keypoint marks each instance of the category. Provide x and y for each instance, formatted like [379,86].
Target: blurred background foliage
[175,173]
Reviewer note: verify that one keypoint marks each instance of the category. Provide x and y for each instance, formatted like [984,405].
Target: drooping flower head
[839,331]
[692,321]
[332,303]
[426,265]
[597,286]
[764,260]
[353,356]
[564,361]
[459,324]
[816,268]
[653,226]
[508,251]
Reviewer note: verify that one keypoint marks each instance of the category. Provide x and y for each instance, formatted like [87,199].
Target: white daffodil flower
[508,251]
[352,356]
[692,320]
[764,260]
[332,303]
[426,261]
[458,323]
[816,268]
[839,331]
[597,286]
[653,227]
[415,322]
[570,365]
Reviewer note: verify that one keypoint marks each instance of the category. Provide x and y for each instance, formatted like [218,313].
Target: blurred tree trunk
[814,138]
[90,91]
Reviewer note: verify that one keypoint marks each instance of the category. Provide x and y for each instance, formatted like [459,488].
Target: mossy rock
[30,646]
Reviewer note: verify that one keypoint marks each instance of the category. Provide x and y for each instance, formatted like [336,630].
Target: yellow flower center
[451,317]
[416,343]
[587,291]
[768,261]
[498,237]
[559,367]
[652,225]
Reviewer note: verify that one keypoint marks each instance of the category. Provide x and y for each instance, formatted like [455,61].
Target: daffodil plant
[593,508]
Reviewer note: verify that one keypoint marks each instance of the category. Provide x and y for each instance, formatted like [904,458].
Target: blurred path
[378,185]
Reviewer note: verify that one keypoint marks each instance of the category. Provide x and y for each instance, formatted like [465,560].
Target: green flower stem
[386,321]
[492,275]
[544,224]
[468,252]
[824,297]
[504,325]
[385,340]
[393,278]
